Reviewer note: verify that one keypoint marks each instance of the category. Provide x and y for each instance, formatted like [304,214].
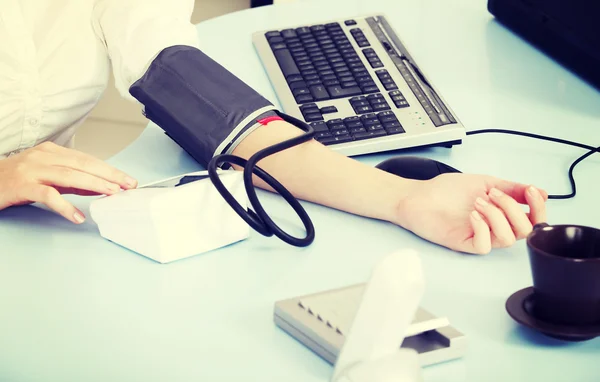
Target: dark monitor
[567,30]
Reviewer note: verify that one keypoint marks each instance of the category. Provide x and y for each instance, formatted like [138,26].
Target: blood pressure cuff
[202,106]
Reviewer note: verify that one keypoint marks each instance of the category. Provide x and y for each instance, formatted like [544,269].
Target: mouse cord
[258,219]
[591,150]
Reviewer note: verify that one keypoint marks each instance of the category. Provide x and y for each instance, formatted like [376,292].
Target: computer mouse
[417,168]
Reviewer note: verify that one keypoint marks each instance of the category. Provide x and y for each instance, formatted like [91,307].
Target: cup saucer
[519,306]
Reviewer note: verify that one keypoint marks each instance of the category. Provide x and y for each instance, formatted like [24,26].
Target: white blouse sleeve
[136,31]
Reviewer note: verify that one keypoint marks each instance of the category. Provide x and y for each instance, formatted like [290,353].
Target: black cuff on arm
[200,105]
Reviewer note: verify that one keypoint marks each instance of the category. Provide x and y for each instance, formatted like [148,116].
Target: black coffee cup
[565,265]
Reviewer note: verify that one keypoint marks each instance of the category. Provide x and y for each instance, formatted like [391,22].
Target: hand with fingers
[471,213]
[42,173]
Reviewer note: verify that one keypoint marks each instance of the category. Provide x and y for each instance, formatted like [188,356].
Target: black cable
[258,218]
[591,149]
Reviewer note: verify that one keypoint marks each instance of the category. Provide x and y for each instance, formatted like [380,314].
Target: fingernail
[130,182]
[79,218]
[481,202]
[495,192]
[533,192]
[476,215]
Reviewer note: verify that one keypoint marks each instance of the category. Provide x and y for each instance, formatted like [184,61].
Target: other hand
[42,173]
[471,213]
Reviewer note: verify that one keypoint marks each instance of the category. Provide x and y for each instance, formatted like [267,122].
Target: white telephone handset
[371,351]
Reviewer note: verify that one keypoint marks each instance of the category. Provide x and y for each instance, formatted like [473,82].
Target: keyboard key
[329,110]
[363,109]
[300,91]
[302,31]
[371,122]
[294,77]
[381,106]
[336,123]
[313,82]
[375,127]
[327,77]
[391,124]
[387,116]
[311,77]
[286,62]
[368,117]
[275,40]
[362,43]
[343,71]
[376,101]
[319,126]
[319,92]
[339,92]
[316,28]
[368,83]
[348,84]
[312,117]
[356,65]
[331,82]
[351,119]
[370,134]
[395,130]
[353,125]
[322,135]
[309,108]
[292,39]
[401,104]
[307,71]
[297,84]
[339,132]
[298,50]
[350,22]
[372,97]
[304,98]
[370,89]
[391,86]
[301,59]
[358,130]
[276,47]
[327,72]
[376,64]
[272,34]
[332,25]
[334,140]
[359,103]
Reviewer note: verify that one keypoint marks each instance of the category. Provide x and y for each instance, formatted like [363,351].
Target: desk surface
[74,307]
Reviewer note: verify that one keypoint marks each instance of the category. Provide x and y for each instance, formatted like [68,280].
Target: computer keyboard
[357,85]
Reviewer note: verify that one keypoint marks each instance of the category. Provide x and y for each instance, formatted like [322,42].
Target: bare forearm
[315,173]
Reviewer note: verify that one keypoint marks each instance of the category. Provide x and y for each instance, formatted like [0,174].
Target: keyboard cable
[591,150]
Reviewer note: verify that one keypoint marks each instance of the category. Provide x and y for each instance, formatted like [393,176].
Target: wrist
[396,196]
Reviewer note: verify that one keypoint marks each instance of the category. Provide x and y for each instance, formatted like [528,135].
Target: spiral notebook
[321,321]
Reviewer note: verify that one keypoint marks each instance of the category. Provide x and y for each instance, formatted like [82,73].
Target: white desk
[74,307]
